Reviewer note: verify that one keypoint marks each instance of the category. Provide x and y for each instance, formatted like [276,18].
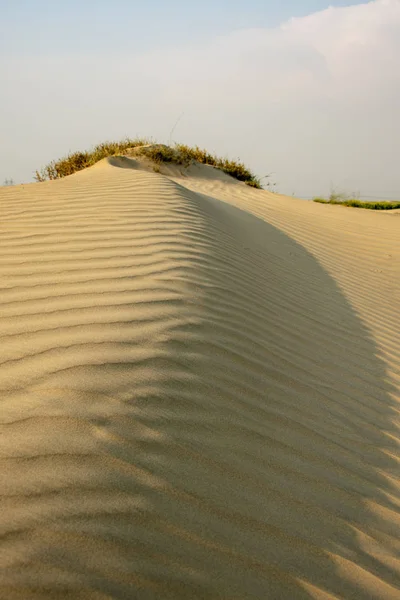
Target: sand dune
[199,390]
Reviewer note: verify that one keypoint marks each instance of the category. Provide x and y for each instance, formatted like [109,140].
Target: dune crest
[200,391]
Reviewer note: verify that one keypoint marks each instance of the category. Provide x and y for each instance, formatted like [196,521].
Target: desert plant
[77,161]
[235,168]
[359,204]
[158,153]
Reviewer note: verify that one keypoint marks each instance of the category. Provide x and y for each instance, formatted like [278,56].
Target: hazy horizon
[307,92]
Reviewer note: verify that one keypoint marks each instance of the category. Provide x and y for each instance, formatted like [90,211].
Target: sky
[307,92]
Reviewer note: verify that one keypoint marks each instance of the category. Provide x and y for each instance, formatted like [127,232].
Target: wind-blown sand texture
[199,391]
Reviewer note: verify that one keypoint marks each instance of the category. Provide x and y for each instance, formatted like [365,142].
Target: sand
[200,388]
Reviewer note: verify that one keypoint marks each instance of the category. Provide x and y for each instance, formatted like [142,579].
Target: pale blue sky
[313,99]
[43,26]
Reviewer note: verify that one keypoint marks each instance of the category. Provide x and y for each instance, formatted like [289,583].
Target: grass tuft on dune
[159,153]
[359,204]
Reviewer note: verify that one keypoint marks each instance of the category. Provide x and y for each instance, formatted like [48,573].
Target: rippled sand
[199,389]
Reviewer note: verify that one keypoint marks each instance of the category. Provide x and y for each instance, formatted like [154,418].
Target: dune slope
[200,391]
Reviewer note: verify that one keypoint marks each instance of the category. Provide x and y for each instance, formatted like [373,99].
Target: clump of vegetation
[158,153]
[359,204]
[81,160]
[232,167]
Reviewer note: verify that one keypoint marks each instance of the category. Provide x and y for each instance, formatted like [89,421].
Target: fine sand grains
[199,390]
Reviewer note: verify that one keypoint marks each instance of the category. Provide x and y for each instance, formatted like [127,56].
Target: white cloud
[315,100]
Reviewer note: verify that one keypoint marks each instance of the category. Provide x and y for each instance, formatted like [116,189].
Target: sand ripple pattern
[193,403]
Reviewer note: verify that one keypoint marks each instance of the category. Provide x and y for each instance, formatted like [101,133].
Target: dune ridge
[200,391]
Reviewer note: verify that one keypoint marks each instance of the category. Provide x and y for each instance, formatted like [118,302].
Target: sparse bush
[233,168]
[360,204]
[8,182]
[159,153]
[353,200]
[81,160]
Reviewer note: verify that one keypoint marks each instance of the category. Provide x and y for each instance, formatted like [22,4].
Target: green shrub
[360,204]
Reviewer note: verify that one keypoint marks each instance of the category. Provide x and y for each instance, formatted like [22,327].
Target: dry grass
[359,204]
[77,161]
[159,153]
